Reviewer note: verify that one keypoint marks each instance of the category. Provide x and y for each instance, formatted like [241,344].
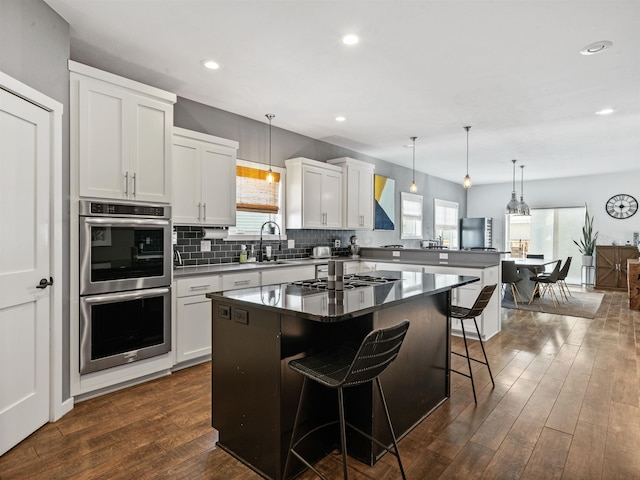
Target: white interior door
[25,155]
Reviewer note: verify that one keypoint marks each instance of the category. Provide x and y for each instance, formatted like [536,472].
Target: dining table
[527,268]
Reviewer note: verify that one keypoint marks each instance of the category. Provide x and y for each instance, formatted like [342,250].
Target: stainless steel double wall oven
[125,283]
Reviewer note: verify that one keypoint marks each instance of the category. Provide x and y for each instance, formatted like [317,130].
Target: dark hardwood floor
[565,406]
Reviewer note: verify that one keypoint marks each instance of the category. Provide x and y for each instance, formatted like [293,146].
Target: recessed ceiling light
[596,47]
[210,64]
[605,111]
[350,39]
[340,118]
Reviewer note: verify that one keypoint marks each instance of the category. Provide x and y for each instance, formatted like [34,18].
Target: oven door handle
[105,222]
[124,296]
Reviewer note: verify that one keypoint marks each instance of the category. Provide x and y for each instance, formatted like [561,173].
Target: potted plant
[588,241]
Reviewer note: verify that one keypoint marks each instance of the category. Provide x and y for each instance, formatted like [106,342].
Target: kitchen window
[445,222]
[411,210]
[257,201]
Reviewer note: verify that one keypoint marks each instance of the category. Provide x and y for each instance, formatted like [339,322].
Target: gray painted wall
[253,137]
[34,49]
[594,190]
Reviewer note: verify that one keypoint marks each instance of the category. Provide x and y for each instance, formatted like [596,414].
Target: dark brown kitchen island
[257,331]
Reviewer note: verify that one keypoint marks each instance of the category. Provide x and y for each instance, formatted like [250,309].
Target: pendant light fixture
[523,208]
[512,206]
[270,178]
[414,188]
[467,179]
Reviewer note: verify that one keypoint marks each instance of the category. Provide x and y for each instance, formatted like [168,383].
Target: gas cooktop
[348,282]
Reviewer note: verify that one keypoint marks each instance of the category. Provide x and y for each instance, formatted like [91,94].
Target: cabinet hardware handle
[199,207]
[126,184]
[134,184]
[204,208]
[199,287]
[44,283]
[242,282]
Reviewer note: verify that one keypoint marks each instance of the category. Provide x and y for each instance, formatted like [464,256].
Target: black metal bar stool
[463,313]
[345,366]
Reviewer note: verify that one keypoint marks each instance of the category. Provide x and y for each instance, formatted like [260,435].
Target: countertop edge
[462,280]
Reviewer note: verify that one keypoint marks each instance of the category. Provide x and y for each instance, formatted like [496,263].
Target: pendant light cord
[270,178]
[413,188]
[467,129]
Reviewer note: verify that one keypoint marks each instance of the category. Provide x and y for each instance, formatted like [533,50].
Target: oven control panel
[88,208]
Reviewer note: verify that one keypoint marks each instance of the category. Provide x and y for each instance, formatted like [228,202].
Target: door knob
[44,283]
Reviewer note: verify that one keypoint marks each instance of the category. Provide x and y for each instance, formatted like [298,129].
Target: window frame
[411,197]
[253,236]
[437,202]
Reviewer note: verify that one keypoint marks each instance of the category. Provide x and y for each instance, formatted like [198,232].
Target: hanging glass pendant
[512,206]
[467,179]
[270,177]
[523,208]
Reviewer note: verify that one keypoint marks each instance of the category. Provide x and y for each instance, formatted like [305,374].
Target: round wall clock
[622,206]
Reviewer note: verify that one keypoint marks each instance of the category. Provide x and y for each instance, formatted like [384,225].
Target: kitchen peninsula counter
[257,331]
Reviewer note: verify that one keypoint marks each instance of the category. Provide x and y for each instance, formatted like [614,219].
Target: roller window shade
[254,193]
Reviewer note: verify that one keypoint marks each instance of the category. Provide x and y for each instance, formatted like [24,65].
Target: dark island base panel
[255,394]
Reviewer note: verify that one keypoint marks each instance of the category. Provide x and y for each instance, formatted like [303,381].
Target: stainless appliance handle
[105,222]
[124,296]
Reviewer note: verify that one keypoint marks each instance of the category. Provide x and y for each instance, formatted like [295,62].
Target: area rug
[580,304]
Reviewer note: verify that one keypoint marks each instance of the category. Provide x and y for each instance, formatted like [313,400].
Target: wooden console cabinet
[611,265]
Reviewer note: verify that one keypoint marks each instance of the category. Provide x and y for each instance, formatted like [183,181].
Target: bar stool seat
[463,313]
[342,367]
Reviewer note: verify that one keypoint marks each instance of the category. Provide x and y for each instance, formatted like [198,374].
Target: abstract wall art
[384,195]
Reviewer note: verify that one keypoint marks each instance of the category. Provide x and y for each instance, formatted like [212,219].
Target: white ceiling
[510,69]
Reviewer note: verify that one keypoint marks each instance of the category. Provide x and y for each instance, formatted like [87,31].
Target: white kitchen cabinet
[313,194]
[204,179]
[287,274]
[120,136]
[193,317]
[233,281]
[351,268]
[357,193]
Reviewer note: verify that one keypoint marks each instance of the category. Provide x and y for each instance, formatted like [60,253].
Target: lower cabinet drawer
[233,281]
[197,285]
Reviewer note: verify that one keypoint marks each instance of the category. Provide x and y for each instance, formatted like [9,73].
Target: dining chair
[510,277]
[563,288]
[547,282]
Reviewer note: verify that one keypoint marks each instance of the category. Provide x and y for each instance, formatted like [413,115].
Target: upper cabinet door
[120,137]
[185,157]
[218,185]
[102,141]
[313,216]
[204,179]
[150,150]
[332,199]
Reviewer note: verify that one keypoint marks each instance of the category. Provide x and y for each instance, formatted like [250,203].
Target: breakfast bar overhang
[257,331]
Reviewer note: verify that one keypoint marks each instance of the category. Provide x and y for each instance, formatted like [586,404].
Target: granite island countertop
[336,306]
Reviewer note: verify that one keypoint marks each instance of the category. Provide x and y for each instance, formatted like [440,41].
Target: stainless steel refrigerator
[476,233]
